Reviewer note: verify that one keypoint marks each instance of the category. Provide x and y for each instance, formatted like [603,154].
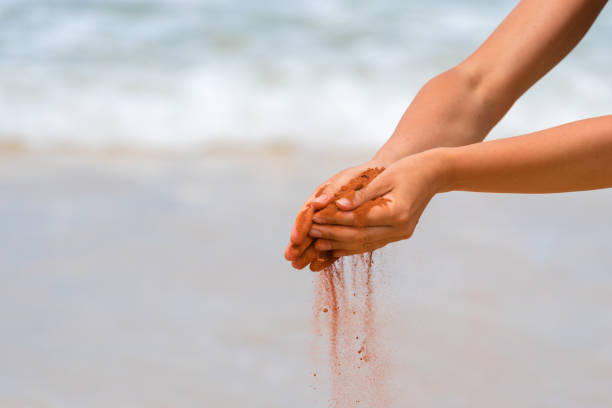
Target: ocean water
[182,74]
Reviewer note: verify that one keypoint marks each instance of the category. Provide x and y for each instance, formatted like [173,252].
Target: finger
[324,260]
[327,245]
[342,252]
[349,234]
[320,198]
[377,216]
[323,195]
[295,251]
[309,255]
[288,253]
[378,187]
[302,224]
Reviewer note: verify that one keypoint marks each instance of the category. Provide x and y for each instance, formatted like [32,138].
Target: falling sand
[344,313]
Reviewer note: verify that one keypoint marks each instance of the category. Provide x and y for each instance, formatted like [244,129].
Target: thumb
[377,187]
[323,195]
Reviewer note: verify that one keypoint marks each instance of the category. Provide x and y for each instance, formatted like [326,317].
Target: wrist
[385,156]
[440,161]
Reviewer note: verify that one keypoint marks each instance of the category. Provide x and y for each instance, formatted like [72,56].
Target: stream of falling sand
[344,312]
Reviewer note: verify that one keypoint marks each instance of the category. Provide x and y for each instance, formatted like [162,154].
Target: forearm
[576,156]
[462,105]
[447,111]
[530,41]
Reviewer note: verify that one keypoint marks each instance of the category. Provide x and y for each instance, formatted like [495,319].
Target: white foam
[185,74]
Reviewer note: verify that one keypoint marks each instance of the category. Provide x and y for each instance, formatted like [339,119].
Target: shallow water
[184,73]
[160,282]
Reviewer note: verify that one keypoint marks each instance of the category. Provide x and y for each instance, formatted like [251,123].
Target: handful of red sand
[319,260]
[344,300]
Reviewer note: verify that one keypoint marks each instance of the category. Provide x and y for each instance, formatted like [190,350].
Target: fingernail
[315,233]
[344,202]
[318,220]
[320,199]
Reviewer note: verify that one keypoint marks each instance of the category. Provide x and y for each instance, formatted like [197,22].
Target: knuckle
[370,247]
[335,232]
[362,236]
[342,233]
[328,244]
[325,233]
[402,217]
[321,188]
[328,188]
[407,233]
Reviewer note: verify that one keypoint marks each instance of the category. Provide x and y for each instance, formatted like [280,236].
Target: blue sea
[185,74]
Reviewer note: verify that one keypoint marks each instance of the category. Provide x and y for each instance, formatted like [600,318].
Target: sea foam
[185,74]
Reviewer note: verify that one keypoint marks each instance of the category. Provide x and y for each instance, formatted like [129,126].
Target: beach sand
[158,280]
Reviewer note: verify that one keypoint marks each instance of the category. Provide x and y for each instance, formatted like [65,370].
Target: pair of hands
[408,184]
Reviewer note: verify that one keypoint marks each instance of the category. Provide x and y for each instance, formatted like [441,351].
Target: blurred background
[153,155]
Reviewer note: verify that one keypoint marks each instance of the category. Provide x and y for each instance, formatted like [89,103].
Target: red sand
[344,299]
[357,366]
[322,259]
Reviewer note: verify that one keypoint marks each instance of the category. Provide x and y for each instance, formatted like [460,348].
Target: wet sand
[126,282]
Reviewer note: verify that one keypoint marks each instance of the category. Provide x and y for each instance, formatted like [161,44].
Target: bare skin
[572,157]
[460,107]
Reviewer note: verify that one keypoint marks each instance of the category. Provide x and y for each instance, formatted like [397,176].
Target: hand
[301,250]
[408,185]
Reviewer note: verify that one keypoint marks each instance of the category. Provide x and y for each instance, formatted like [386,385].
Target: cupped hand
[301,250]
[407,185]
